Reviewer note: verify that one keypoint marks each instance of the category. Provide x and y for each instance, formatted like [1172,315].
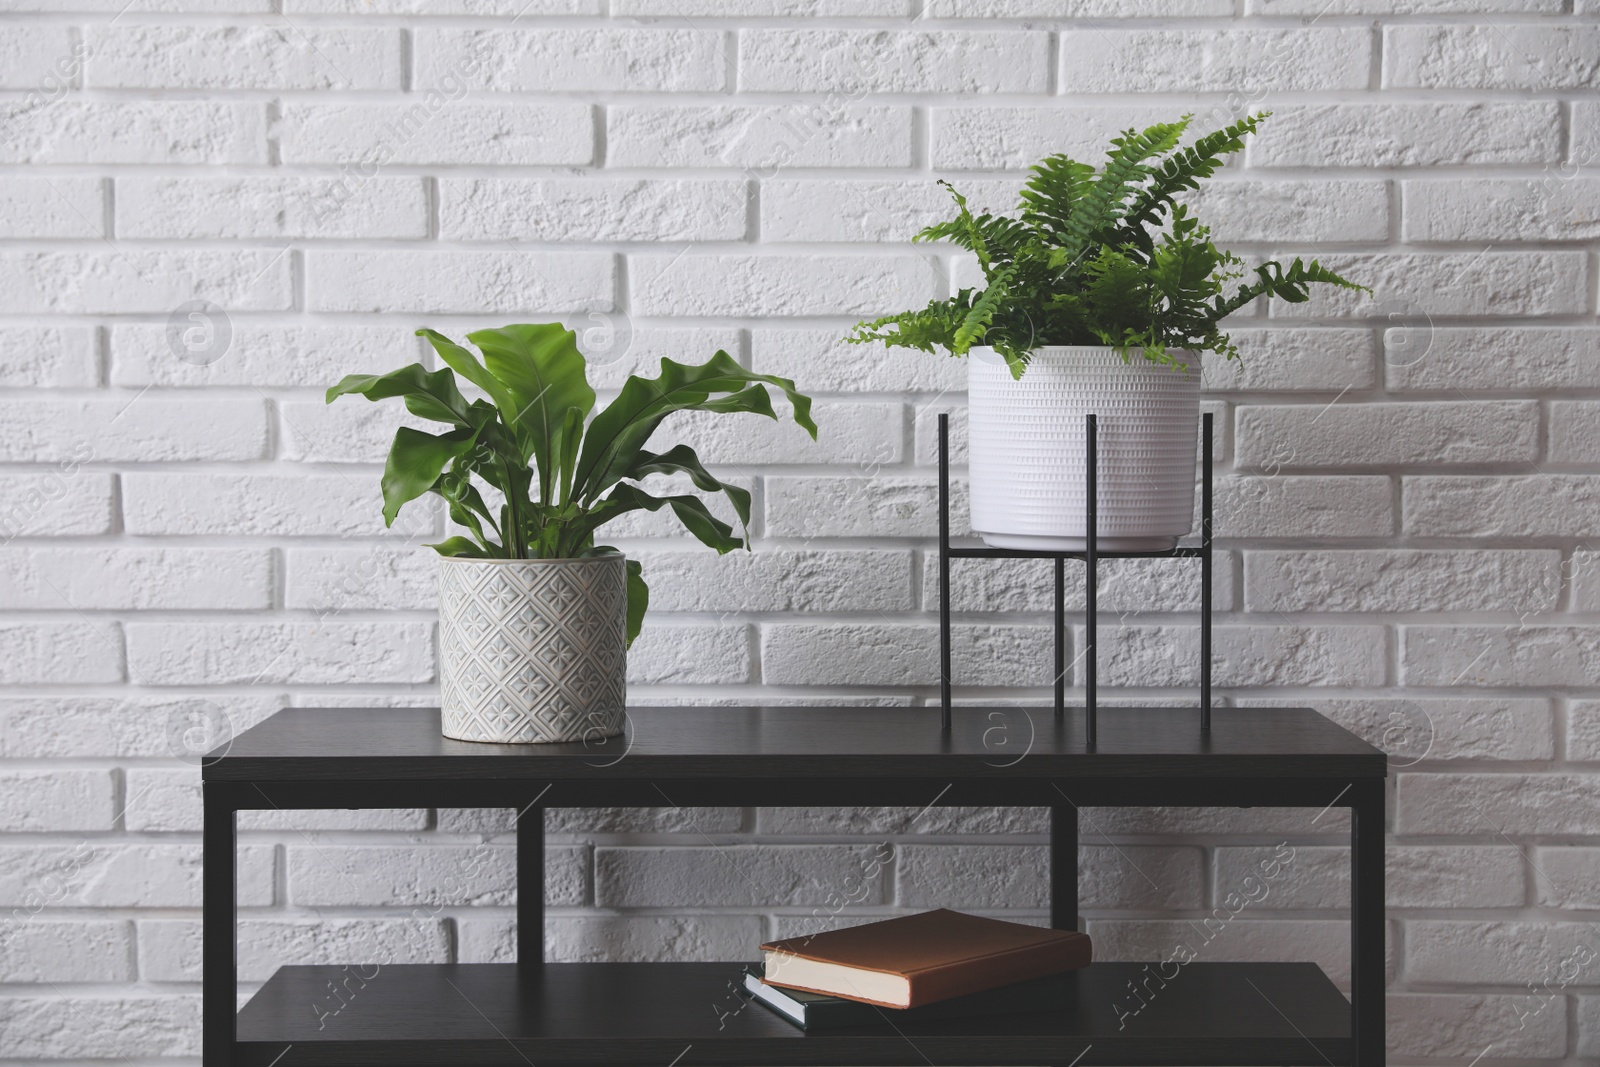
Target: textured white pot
[1026,445]
[532,650]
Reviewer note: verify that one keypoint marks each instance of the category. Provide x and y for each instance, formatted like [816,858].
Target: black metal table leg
[530,885]
[1064,867]
[219,961]
[1367,923]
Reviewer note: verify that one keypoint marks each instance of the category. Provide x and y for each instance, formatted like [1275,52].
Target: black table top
[720,743]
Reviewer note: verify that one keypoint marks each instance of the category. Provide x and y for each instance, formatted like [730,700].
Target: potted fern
[1100,296]
[534,615]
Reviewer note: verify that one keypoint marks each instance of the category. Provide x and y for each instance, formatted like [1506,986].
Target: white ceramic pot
[532,650]
[1026,447]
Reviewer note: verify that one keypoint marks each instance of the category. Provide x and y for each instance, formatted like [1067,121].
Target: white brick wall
[1409,484]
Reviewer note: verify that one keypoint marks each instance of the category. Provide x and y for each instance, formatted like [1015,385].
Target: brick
[166,6]
[115,282]
[1418,728]
[903,654]
[1104,823]
[1318,506]
[47,357]
[884,505]
[1408,134]
[39,57]
[1423,285]
[777,284]
[161,799]
[1583,730]
[1125,585]
[778,580]
[761,139]
[133,428]
[264,945]
[1015,138]
[821,362]
[66,502]
[98,1026]
[1402,580]
[203,208]
[139,579]
[437,129]
[588,822]
[1501,952]
[690,655]
[298,820]
[42,951]
[476,282]
[1207,60]
[813,209]
[1242,655]
[1465,1025]
[1321,210]
[1243,938]
[1055,9]
[243,57]
[263,504]
[1495,804]
[351,431]
[762,8]
[1574,426]
[1401,7]
[557,60]
[72,208]
[879,61]
[133,131]
[1500,655]
[739,875]
[365,578]
[1588,1009]
[832,821]
[306,653]
[38,801]
[588,209]
[1493,358]
[1546,208]
[615,938]
[862,436]
[1316,877]
[263,355]
[430,8]
[46,653]
[1527,505]
[89,726]
[1466,56]
[441,875]
[103,874]
[1565,877]
[1386,435]
[1017,876]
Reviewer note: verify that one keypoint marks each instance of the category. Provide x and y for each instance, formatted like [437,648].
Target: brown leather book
[913,960]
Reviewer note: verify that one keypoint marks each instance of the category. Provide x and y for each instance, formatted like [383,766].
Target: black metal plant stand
[1091,555]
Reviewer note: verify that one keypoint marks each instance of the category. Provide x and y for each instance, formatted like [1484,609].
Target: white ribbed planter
[532,650]
[1027,452]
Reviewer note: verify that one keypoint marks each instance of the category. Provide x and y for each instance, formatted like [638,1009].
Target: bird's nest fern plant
[1101,257]
[558,473]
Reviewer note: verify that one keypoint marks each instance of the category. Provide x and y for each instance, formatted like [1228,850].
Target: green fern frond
[1101,208]
[1183,170]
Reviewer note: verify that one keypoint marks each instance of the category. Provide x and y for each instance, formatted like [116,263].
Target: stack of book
[942,964]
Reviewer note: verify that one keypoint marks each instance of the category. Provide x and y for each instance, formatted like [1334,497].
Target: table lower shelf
[661,1014]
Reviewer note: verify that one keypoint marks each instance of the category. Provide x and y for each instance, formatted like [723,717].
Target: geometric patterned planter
[532,650]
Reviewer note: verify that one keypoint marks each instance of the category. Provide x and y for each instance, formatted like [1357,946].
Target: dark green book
[818,1011]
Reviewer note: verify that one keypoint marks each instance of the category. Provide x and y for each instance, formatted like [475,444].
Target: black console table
[663,1014]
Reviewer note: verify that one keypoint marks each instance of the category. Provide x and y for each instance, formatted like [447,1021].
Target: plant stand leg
[1367,923]
[530,885]
[219,960]
[1064,867]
